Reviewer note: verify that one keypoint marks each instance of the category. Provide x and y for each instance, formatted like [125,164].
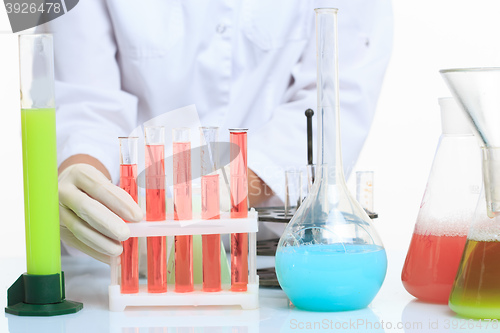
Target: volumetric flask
[476,290]
[330,257]
[446,209]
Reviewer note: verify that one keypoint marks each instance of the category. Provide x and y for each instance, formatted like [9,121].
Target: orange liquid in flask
[431,265]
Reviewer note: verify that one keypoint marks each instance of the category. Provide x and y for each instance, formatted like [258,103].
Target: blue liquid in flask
[334,277]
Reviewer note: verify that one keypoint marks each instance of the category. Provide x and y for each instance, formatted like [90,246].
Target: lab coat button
[220,28]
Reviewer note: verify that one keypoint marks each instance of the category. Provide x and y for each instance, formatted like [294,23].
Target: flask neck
[329,146]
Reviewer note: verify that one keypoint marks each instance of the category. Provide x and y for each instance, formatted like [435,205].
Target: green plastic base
[39,295]
[56,309]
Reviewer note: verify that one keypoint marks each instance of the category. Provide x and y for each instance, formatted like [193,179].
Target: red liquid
[239,209]
[210,206]
[183,211]
[155,183]
[156,211]
[210,209]
[130,254]
[239,262]
[431,266]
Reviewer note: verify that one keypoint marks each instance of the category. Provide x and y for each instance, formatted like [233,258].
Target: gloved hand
[92,210]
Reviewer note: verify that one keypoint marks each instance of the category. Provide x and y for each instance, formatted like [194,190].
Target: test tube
[155,206]
[239,207]
[364,189]
[210,207]
[128,182]
[183,209]
[293,190]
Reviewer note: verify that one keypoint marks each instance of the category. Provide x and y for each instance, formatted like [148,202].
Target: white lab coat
[246,63]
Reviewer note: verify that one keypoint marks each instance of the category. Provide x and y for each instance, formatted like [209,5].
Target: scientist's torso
[246,63]
[233,59]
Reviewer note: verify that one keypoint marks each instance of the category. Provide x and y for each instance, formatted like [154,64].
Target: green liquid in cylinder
[41,201]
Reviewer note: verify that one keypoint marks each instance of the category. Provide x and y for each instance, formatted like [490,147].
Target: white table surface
[87,282]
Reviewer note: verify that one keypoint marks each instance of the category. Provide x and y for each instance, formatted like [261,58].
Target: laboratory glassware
[210,207]
[330,257]
[40,291]
[239,207]
[197,226]
[364,189]
[309,114]
[183,208]
[156,206]
[476,290]
[311,169]
[128,182]
[311,174]
[446,210]
[293,190]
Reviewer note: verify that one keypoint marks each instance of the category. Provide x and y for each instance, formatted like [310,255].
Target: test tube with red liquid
[239,207]
[155,206]
[183,209]
[128,182]
[210,208]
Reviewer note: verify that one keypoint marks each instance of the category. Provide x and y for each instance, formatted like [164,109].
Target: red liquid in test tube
[210,209]
[183,209]
[156,208]
[211,243]
[239,208]
[128,182]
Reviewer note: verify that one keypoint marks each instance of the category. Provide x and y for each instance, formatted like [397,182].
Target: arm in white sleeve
[365,41]
[92,109]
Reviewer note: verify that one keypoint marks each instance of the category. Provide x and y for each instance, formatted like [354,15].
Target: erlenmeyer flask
[329,257]
[446,210]
[476,290]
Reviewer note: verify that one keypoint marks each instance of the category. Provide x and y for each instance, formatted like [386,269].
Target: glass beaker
[330,257]
[476,290]
[446,209]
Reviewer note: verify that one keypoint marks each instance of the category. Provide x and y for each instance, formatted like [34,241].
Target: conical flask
[330,257]
[446,210]
[476,290]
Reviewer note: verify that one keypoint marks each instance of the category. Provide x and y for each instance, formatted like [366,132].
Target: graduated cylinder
[38,126]
[40,291]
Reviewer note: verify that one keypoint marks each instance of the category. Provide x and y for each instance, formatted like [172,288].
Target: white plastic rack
[225,225]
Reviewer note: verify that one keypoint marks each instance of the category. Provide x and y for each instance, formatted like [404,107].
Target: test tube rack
[248,300]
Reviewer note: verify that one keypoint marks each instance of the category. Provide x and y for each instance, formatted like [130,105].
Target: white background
[429,35]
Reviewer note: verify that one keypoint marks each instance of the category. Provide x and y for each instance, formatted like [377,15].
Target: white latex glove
[92,210]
